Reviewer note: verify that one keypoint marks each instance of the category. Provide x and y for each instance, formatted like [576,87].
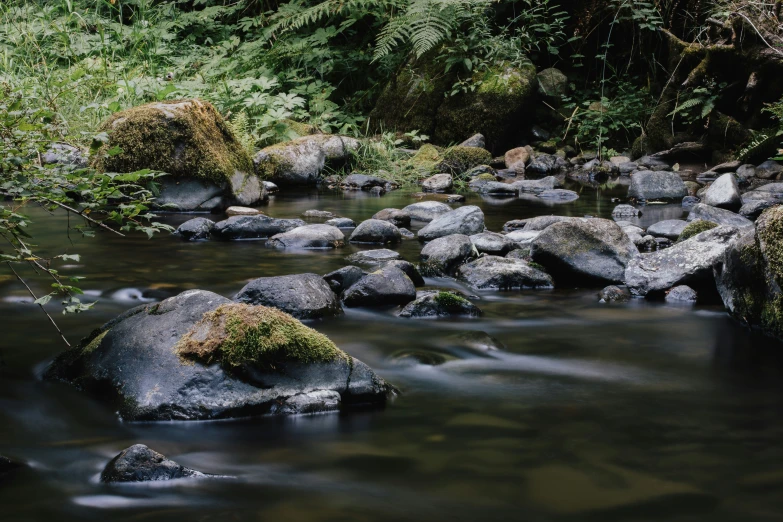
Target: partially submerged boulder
[301,161]
[668,228]
[378,256]
[304,296]
[308,237]
[688,262]
[387,286]
[253,227]
[437,183]
[200,356]
[342,278]
[749,276]
[721,216]
[426,211]
[648,185]
[139,463]
[443,255]
[440,304]
[467,220]
[493,243]
[536,186]
[376,231]
[584,252]
[208,166]
[196,229]
[395,216]
[502,273]
[723,193]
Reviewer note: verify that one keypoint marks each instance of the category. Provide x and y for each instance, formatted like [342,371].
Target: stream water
[640,411]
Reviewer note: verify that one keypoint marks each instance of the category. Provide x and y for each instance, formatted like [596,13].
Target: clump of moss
[696,227]
[460,159]
[94,343]
[451,301]
[239,334]
[485,177]
[186,138]
[770,234]
[425,159]
[536,266]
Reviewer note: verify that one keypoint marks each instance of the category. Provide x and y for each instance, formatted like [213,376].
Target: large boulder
[466,220]
[437,183]
[376,231]
[300,161]
[443,255]
[502,273]
[139,463]
[493,243]
[395,216]
[648,185]
[426,211]
[387,286]
[253,227]
[209,167]
[702,212]
[309,237]
[749,276]
[584,251]
[723,193]
[439,304]
[304,296]
[769,170]
[688,262]
[200,356]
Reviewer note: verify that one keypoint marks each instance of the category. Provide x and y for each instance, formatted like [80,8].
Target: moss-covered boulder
[750,275]
[301,161]
[494,109]
[200,356]
[459,160]
[188,139]
[695,227]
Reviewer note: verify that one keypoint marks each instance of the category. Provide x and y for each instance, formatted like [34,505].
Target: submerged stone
[139,463]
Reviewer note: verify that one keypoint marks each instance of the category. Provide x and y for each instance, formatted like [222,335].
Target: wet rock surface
[440,304]
[253,227]
[139,463]
[386,286]
[502,273]
[308,237]
[467,220]
[443,255]
[304,296]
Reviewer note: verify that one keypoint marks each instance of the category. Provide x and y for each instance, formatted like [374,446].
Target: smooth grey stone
[502,273]
[305,296]
[308,237]
[196,229]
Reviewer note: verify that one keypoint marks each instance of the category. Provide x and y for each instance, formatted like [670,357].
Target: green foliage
[697,103]
[696,227]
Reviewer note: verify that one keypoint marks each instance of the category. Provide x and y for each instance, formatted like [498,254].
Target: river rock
[523,237]
[552,83]
[317,214]
[466,220]
[688,262]
[545,164]
[769,170]
[584,251]
[64,154]
[387,286]
[200,356]
[395,216]
[196,229]
[750,275]
[647,185]
[559,195]
[409,268]
[502,273]
[680,294]
[440,304]
[308,237]
[242,211]
[536,186]
[301,161]
[341,222]
[271,188]
[688,202]
[373,257]
[253,227]
[427,210]
[406,234]
[626,211]
[437,183]
[141,464]
[753,208]
[304,296]
[477,140]
[375,231]
[614,294]
[493,243]
[718,215]
[516,159]
[362,182]
[343,278]
[668,228]
[723,193]
[494,188]
[443,255]
[208,167]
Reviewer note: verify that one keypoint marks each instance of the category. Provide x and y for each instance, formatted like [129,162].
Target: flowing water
[642,411]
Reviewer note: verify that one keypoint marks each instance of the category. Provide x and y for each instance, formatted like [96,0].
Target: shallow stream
[640,411]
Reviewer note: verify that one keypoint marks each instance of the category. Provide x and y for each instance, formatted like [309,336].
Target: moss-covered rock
[426,159]
[199,356]
[696,227]
[189,140]
[458,160]
[750,277]
[493,109]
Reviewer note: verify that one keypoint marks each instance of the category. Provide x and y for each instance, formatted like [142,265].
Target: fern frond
[687,104]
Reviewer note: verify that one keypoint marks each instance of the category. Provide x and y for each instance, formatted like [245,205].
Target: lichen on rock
[696,227]
[240,334]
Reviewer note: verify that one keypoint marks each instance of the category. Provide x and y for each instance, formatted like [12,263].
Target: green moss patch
[696,227]
[451,301]
[240,334]
[458,160]
[186,138]
[770,233]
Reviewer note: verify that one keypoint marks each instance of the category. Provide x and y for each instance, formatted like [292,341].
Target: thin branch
[39,304]
[81,214]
